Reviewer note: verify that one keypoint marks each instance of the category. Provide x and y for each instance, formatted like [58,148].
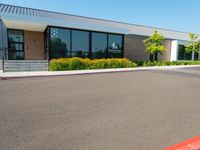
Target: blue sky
[180,15]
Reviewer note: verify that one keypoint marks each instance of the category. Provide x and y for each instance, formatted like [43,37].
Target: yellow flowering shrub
[75,63]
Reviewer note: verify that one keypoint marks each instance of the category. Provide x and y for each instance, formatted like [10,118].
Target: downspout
[193,53]
[2,48]
[1,31]
[1,44]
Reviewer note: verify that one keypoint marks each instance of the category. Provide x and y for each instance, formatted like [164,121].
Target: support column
[3,41]
[175,47]
[174,51]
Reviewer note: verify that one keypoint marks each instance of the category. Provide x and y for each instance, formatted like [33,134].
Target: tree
[59,49]
[154,45]
[193,45]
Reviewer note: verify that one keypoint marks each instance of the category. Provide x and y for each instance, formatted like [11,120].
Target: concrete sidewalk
[11,75]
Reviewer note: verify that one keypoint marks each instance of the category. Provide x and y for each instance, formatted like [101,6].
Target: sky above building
[180,15]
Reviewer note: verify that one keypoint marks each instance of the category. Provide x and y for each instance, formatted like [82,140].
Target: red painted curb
[191,144]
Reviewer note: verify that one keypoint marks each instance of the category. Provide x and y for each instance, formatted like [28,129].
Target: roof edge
[132,24]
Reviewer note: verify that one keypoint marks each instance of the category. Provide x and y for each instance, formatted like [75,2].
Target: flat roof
[37,20]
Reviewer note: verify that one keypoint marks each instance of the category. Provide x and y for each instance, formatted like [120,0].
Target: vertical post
[3,43]
[48,42]
[156,56]
[48,46]
[123,45]
[193,54]
[1,39]
[3,64]
[151,57]
[90,45]
[107,46]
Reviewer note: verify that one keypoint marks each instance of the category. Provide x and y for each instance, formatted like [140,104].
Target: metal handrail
[3,64]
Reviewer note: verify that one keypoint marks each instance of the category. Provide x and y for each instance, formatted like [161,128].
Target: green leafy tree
[193,45]
[154,45]
[58,48]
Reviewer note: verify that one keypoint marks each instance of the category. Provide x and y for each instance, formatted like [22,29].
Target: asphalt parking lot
[142,110]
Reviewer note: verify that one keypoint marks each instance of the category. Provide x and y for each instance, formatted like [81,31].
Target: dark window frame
[90,40]
[84,52]
[106,51]
[50,53]
[185,55]
[122,46]
[11,42]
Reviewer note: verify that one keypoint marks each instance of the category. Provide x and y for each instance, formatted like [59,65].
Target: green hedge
[63,64]
[165,63]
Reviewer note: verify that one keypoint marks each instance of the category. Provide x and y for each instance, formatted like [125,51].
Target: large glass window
[15,44]
[196,56]
[80,43]
[181,52]
[99,45]
[59,43]
[15,36]
[183,55]
[115,46]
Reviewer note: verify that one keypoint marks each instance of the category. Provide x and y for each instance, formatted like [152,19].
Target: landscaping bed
[64,64]
[165,63]
[85,63]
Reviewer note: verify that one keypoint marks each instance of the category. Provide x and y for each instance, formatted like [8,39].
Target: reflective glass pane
[99,45]
[181,51]
[15,36]
[80,41]
[80,54]
[76,43]
[114,54]
[15,44]
[196,56]
[59,43]
[15,47]
[182,54]
[188,56]
[114,42]
[16,55]
[115,46]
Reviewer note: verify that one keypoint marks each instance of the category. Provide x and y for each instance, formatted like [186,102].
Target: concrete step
[25,70]
[5,68]
[27,61]
[25,65]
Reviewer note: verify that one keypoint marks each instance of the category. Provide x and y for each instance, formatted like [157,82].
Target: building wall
[167,54]
[33,45]
[134,49]
[3,40]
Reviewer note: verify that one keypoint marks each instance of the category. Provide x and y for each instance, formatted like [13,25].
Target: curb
[62,75]
[21,75]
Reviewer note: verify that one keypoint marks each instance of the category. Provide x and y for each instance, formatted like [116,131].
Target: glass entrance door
[15,44]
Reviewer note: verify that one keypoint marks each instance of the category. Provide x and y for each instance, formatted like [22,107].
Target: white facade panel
[174,49]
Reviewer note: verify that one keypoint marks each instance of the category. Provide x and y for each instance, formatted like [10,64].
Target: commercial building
[32,35]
